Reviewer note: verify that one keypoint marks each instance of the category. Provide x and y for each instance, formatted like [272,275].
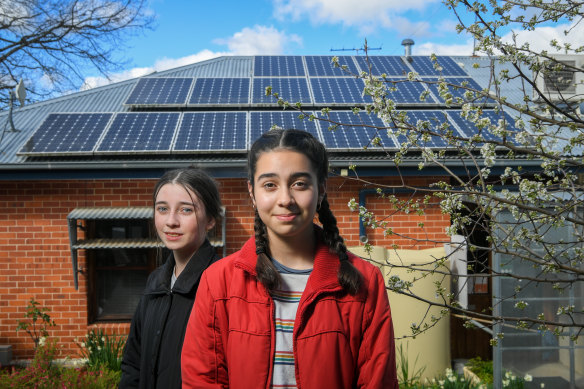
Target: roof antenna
[358,49]
[20,93]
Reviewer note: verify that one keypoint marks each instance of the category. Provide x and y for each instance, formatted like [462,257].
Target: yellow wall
[431,348]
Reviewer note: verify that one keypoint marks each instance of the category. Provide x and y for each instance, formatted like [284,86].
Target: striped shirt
[286,301]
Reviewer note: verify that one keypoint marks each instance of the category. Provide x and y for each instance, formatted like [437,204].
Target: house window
[117,275]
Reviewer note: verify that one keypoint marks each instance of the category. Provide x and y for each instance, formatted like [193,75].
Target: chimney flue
[408,43]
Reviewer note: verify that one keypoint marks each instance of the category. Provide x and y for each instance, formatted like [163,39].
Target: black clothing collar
[189,277]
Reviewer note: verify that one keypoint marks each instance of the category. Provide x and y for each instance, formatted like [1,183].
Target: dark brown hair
[306,144]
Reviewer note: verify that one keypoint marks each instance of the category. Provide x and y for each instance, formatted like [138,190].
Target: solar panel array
[431,122]
[443,66]
[378,65]
[160,91]
[469,129]
[262,121]
[220,91]
[403,91]
[334,90]
[224,131]
[457,87]
[278,66]
[148,132]
[291,89]
[222,114]
[357,131]
[67,133]
[321,66]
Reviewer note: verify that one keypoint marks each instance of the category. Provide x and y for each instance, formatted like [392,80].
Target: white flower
[528,378]
[42,341]
[542,385]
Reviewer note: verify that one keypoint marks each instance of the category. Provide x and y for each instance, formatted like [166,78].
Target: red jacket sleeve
[377,352]
[203,357]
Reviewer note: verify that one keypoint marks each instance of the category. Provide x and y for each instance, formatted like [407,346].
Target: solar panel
[359,136]
[407,92]
[455,92]
[66,133]
[278,65]
[469,129]
[331,90]
[148,132]
[433,120]
[290,89]
[160,91]
[389,65]
[220,91]
[321,65]
[424,66]
[261,122]
[217,131]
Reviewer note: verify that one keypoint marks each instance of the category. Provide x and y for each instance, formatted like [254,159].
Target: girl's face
[286,193]
[181,221]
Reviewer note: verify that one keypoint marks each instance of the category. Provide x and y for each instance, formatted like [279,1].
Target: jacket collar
[189,277]
[324,272]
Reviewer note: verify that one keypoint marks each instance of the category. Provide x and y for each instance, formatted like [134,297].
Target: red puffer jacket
[340,340]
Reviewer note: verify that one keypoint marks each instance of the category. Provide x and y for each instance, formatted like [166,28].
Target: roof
[15,162]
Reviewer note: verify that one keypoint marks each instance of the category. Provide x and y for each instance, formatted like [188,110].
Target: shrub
[102,351]
[483,369]
[59,377]
[38,320]
[42,373]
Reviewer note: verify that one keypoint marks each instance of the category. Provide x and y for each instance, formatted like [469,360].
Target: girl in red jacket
[292,308]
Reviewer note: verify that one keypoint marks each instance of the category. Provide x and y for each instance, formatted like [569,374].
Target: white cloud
[366,15]
[428,48]
[412,29]
[538,40]
[160,65]
[249,41]
[540,37]
[259,40]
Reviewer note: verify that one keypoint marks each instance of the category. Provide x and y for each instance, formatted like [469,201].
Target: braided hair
[302,142]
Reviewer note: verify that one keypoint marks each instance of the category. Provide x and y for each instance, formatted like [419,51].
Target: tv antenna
[20,93]
[364,48]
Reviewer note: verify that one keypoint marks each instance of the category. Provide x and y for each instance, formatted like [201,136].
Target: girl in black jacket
[186,206]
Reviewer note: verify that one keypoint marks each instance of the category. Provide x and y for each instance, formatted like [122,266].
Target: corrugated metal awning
[104,213]
[90,244]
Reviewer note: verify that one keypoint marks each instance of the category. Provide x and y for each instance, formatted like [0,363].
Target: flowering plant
[451,380]
[102,350]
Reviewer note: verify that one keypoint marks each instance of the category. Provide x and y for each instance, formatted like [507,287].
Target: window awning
[111,213]
[119,213]
[105,213]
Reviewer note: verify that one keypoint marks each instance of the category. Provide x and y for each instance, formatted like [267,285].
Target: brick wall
[35,259]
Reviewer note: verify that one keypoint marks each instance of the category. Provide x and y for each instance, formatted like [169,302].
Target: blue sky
[191,31]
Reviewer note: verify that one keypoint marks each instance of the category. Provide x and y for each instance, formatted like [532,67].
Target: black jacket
[152,353]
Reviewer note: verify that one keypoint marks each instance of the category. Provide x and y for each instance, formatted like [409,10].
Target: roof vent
[408,43]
